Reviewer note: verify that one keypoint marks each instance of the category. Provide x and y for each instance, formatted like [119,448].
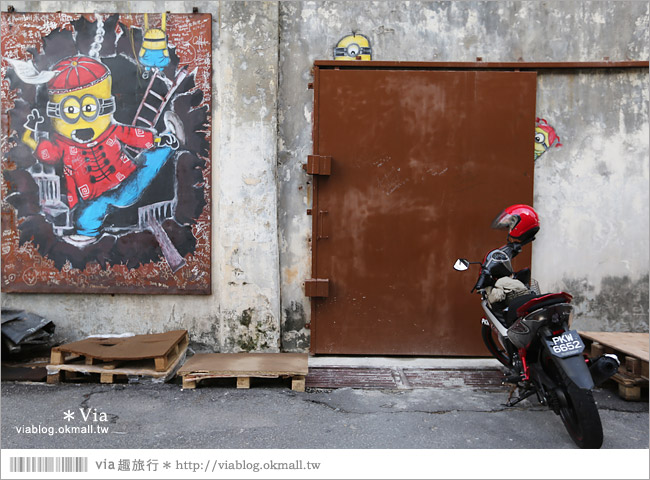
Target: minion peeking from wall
[154,53]
[353,47]
[99,175]
[545,137]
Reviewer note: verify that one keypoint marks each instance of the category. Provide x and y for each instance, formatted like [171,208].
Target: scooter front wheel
[499,353]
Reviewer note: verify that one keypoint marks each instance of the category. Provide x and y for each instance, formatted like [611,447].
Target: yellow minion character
[86,139]
[154,52]
[545,137]
[81,105]
[353,47]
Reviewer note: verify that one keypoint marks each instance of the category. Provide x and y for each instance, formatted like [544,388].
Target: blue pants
[92,213]
[154,58]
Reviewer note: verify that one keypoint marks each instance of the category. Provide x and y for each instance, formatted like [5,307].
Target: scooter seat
[511,313]
[527,303]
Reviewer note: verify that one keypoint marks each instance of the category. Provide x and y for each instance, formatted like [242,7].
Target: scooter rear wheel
[581,418]
[578,411]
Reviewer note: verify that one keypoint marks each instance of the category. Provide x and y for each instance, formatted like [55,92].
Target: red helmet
[75,73]
[521,221]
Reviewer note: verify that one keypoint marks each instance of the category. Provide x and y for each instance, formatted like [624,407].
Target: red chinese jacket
[92,168]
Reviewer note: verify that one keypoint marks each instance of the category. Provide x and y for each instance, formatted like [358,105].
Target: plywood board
[635,344]
[246,364]
[138,347]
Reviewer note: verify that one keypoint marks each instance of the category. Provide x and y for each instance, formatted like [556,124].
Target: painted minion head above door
[353,47]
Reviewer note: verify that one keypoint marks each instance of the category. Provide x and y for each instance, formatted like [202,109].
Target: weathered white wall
[592,193]
[247,238]
[592,196]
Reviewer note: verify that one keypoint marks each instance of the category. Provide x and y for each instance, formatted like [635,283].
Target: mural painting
[106,153]
[353,47]
[545,137]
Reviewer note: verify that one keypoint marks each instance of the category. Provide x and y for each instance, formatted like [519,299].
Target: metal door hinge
[318,165]
[317,287]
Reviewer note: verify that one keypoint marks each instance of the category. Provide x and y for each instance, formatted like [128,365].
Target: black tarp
[21,328]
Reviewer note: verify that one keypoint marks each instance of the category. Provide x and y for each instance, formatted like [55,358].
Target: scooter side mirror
[461,265]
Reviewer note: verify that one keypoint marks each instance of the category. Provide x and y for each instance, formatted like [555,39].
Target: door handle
[322,233]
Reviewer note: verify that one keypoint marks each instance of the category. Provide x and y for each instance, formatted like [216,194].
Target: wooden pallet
[632,351]
[244,366]
[156,356]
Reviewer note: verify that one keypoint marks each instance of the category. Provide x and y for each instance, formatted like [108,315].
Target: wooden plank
[57,357]
[188,384]
[191,380]
[627,392]
[597,350]
[111,365]
[106,378]
[178,350]
[633,344]
[633,365]
[247,364]
[298,383]
[161,363]
[208,376]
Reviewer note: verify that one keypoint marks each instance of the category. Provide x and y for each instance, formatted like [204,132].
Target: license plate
[566,344]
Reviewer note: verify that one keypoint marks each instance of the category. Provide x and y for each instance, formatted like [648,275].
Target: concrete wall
[592,193]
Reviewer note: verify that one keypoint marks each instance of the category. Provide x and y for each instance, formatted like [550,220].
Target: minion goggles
[71,108]
[352,50]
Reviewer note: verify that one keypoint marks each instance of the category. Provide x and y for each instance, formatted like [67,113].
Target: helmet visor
[505,221]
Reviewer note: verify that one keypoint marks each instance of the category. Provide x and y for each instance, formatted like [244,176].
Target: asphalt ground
[270,415]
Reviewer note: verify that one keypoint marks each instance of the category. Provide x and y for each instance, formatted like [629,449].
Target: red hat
[550,131]
[75,73]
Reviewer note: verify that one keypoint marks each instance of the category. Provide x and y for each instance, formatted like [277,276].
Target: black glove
[33,119]
[169,140]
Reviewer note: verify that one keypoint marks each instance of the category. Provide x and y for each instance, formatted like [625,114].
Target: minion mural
[154,52]
[353,47]
[545,137]
[106,155]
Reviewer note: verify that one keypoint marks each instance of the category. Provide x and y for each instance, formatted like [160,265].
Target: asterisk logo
[69,415]
[167,465]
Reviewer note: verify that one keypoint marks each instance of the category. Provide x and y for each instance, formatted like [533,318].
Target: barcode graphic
[48,464]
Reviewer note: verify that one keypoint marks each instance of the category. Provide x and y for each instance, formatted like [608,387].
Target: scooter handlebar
[483,281]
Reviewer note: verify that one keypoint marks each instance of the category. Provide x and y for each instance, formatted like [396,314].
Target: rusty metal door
[414,164]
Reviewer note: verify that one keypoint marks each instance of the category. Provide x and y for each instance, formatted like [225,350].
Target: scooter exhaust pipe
[603,368]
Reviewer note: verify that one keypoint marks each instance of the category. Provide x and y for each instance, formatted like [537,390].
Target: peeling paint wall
[592,197]
[592,193]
